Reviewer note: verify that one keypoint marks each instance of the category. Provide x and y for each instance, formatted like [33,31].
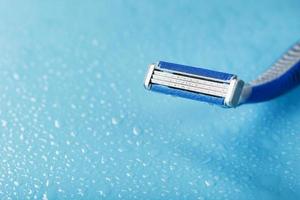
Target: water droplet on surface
[44,158]
[21,137]
[114,121]
[101,193]
[102,160]
[45,197]
[56,124]
[72,134]
[98,75]
[16,183]
[208,183]
[136,130]
[32,99]
[16,76]
[3,123]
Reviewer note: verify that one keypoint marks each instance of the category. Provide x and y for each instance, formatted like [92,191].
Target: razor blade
[194,83]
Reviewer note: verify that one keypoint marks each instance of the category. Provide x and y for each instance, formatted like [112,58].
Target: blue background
[76,122]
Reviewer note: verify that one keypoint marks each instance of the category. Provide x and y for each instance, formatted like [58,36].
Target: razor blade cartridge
[194,83]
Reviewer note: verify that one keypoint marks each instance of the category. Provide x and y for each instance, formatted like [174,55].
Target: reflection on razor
[225,89]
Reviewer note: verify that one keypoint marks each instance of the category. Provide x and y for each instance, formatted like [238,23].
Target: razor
[225,89]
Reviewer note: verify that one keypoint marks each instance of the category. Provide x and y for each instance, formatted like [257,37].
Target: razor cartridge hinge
[194,83]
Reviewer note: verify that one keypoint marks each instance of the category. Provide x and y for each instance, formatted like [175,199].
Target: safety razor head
[194,83]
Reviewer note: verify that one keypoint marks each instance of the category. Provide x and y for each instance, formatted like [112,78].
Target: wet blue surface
[76,122]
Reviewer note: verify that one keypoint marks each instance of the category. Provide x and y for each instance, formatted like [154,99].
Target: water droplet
[45,197]
[56,124]
[16,76]
[102,160]
[44,158]
[112,85]
[98,75]
[3,123]
[21,137]
[136,131]
[72,134]
[114,121]
[16,183]
[32,99]
[101,193]
[208,183]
